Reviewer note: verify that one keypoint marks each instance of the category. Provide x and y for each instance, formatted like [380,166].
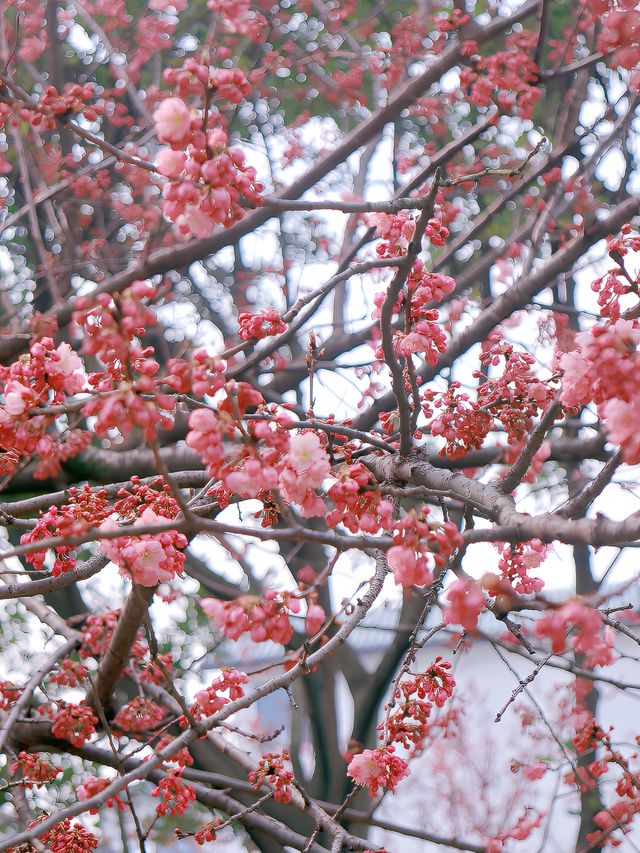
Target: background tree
[303,304]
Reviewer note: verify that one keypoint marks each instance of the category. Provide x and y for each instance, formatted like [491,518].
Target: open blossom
[263,619]
[587,637]
[18,398]
[149,559]
[65,369]
[377,768]
[409,568]
[576,383]
[173,120]
[304,469]
[170,163]
[622,423]
[465,601]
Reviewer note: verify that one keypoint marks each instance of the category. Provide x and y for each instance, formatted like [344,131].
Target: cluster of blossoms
[70,673]
[211,700]
[271,457]
[605,369]
[457,419]
[358,505]
[591,738]
[92,785]
[408,715]
[34,770]
[465,601]
[75,723]
[84,510]
[208,428]
[378,768]
[174,795]
[419,546]
[47,376]
[271,770]
[125,392]
[512,399]
[517,560]
[422,333]
[618,282]
[588,634]
[148,558]
[207,178]
[96,633]
[516,396]
[507,77]
[52,105]
[620,33]
[262,325]
[140,714]
[265,618]
[64,837]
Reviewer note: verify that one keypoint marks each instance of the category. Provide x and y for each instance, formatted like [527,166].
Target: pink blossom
[304,468]
[409,568]
[195,222]
[149,559]
[173,120]
[576,383]
[17,398]
[622,422]
[465,601]
[170,163]
[315,619]
[377,768]
[250,478]
[65,369]
[307,457]
[588,636]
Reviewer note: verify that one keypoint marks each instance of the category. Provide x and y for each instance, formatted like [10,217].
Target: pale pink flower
[622,422]
[377,768]
[195,222]
[69,364]
[307,458]
[17,398]
[465,601]
[170,163]
[250,478]
[576,382]
[409,568]
[173,120]
[144,558]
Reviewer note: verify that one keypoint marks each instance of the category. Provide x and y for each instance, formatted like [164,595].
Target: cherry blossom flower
[173,121]
[465,601]
[377,768]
